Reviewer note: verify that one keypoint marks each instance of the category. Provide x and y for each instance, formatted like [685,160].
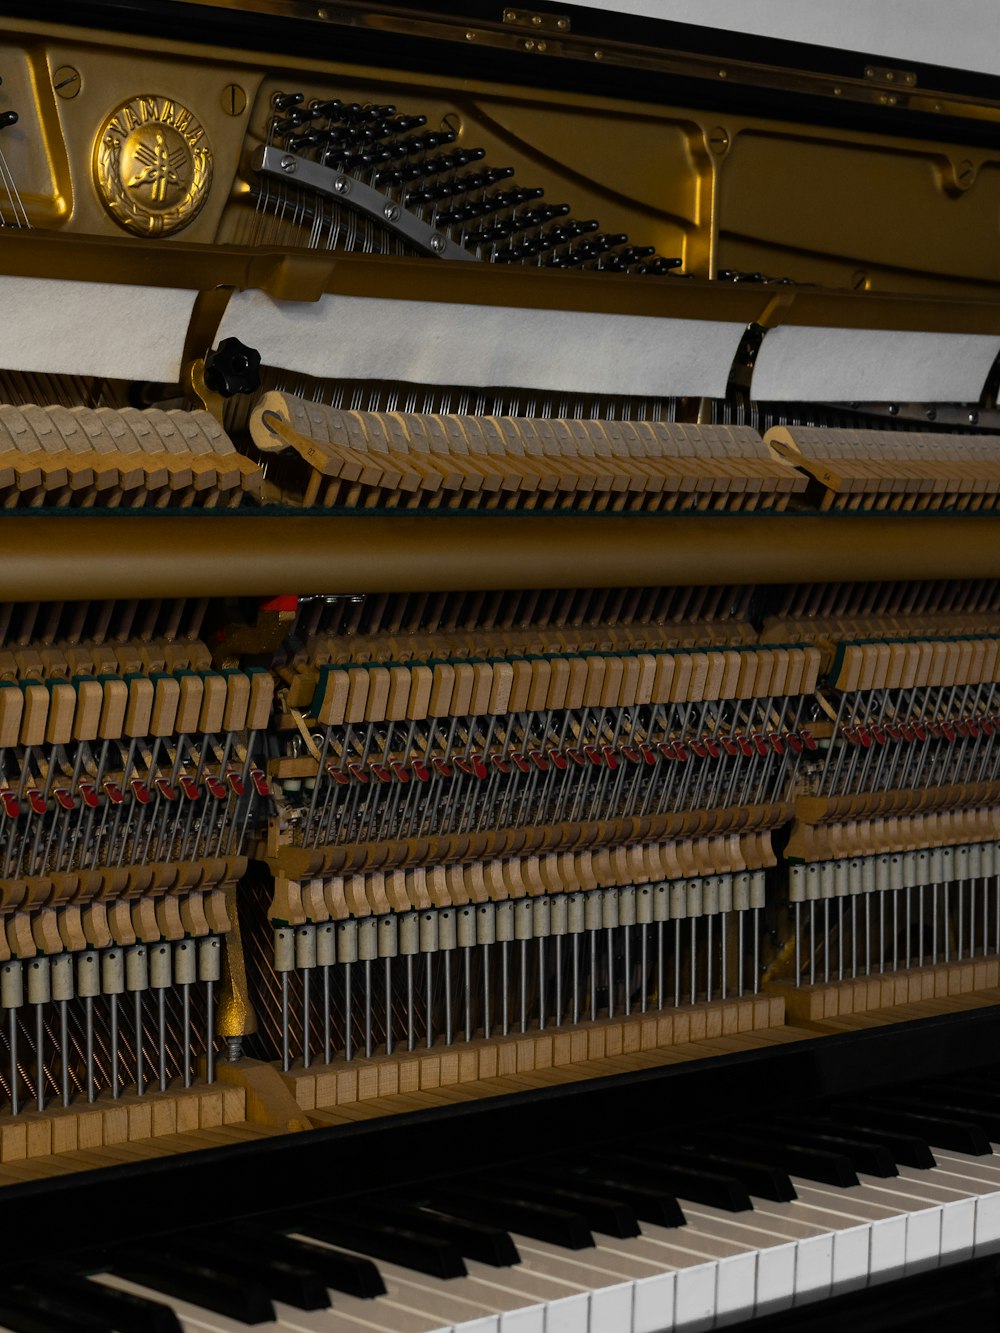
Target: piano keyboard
[698,1230]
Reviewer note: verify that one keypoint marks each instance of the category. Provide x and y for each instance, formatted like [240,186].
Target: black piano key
[986,1082]
[558,1226]
[941,1131]
[199,1283]
[907,1149]
[366,1232]
[23,1311]
[611,1217]
[761,1179]
[714,1188]
[648,1204]
[829,1168]
[946,1101]
[292,1283]
[972,1093]
[865,1155]
[350,1273]
[122,1310]
[474,1240]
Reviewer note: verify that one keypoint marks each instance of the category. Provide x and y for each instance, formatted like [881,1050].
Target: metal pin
[209,971]
[449,1031]
[349,1011]
[113,985]
[12,997]
[284,962]
[39,994]
[326,954]
[467,978]
[677,963]
[62,993]
[159,980]
[739,952]
[388,1008]
[88,985]
[185,975]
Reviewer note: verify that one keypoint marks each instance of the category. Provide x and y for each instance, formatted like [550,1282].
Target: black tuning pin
[659,266]
[232,368]
[285,101]
[7,118]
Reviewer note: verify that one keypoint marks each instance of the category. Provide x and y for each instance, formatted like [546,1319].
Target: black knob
[7,118]
[232,368]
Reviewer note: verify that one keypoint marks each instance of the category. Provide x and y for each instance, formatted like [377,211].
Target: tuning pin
[283,101]
[660,265]
[326,110]
[289,123]
[8,118]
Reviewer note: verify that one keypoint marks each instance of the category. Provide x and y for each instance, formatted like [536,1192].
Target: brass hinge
[526,18]
[891,78]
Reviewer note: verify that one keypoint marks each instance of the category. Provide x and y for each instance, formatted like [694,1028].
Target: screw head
[67,82]
[234,99]
[390,212]
[438,243]
[718,140]
[342,185]
[289,165]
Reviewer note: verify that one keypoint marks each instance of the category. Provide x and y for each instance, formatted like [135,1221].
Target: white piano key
[736,1287]
[920,1202]
[607,1262]
[958,1230]
[531,1286]
[568,1314]
[980,1178]
[529,1319]
[776,1278]
[502,1295]
[813,1268]
[654,1303]
[611,1309]
[886,1224]
[381,1317]
[775,1242]
[694,1300]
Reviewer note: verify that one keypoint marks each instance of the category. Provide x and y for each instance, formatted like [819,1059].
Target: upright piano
[500,798]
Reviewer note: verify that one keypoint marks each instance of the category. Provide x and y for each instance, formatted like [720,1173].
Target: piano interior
[501,603]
